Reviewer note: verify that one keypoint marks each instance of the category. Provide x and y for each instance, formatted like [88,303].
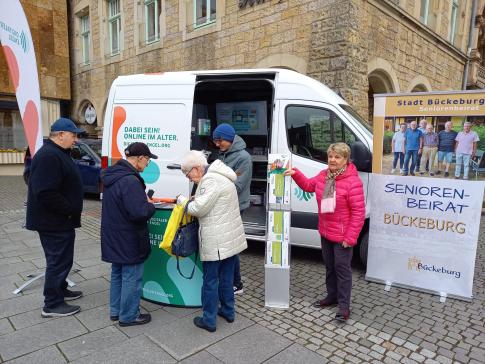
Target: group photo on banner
[429,164]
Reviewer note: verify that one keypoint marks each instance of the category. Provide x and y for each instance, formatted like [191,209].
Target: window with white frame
[453,20]
[85,39]
[204,12]
[423,12]
[114,24]
[152,17]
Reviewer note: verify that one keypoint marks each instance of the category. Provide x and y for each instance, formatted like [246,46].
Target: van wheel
[363,248]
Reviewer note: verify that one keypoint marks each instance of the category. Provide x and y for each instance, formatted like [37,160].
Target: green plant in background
[387,145]
[480,130]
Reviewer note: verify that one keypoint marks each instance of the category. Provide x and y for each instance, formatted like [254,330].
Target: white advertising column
[277,257]
[19,52]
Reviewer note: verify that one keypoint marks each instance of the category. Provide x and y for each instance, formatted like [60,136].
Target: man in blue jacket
[233,153]
[124,232]
[54,205]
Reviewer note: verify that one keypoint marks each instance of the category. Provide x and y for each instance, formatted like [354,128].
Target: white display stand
[277,256]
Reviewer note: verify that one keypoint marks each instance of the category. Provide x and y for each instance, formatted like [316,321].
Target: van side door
[306,129]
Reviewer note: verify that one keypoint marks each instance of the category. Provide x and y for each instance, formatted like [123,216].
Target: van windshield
[357,117]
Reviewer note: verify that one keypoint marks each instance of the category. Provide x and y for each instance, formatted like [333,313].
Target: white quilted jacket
[216,206]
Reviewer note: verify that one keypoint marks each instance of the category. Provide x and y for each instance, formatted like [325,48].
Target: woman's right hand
[290,172]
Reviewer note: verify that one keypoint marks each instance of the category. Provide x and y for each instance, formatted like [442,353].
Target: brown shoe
[326,302]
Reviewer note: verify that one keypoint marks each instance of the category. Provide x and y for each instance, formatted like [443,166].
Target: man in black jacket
[54,205]
[124,232]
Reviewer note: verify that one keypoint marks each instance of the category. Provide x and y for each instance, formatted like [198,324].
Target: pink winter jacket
[346,222]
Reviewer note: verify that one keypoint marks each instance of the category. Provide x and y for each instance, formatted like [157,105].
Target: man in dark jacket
[233,153]
[54,205]
[124,232]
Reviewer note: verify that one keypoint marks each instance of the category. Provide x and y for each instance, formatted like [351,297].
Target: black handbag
[186,241]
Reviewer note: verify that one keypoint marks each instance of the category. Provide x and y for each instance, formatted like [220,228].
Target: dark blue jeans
[59,254]
[125,291]
[217,288]
[413,155]
[237,271]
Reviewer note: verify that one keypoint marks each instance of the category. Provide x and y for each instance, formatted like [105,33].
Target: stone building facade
[356,47]
[48,26]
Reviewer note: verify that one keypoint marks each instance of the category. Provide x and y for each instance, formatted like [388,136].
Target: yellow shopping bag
[172,226]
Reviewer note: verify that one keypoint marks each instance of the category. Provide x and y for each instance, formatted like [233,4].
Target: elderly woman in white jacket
[215,204]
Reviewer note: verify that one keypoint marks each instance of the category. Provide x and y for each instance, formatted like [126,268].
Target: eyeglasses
[187,174]
[147,158]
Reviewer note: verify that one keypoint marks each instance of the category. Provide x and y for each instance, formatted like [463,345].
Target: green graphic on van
[151,174]
[302,195]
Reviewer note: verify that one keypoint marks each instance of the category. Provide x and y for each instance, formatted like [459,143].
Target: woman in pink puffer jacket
[341,215]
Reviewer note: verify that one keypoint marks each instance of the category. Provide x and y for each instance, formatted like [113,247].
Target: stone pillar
[338,55]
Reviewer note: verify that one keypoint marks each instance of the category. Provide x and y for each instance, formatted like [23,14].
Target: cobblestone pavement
[399,326]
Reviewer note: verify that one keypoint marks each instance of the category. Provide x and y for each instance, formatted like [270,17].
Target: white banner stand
[277,256]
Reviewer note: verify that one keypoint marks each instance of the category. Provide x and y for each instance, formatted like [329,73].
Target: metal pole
[470,39]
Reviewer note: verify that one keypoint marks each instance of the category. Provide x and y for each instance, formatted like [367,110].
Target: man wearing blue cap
[54,205]
[233,153]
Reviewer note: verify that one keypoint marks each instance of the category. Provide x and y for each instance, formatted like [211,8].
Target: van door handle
[174,166]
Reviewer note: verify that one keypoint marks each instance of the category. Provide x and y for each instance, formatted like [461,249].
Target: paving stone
[202,357]
[296,353]
[28,319]
[252,344]
[39,336]
[138,350]
[20,304]
[5,327]
[92,342]
[49,355]
[95,318]
[160,319]
[195,339]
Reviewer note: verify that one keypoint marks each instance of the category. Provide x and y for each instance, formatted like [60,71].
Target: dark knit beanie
[224,131]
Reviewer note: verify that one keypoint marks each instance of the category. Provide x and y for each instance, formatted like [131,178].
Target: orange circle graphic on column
[13,66]
[31,124]
[119,117]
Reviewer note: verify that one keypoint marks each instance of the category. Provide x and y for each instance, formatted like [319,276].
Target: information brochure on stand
[277,264]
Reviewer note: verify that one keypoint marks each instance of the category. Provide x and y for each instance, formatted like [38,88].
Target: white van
[273,110]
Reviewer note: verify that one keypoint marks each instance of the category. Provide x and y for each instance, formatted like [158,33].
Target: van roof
[291,84]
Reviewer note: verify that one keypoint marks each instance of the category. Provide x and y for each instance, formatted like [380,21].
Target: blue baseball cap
[225,132]
[65,124]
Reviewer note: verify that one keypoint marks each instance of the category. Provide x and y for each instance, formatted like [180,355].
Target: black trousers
[59,254]
[338,272]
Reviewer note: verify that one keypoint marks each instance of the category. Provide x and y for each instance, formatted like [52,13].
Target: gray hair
[467,123]
[53,134]
[194,158]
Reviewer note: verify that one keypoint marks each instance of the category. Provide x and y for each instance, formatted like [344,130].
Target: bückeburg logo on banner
[415,263]
[13,35]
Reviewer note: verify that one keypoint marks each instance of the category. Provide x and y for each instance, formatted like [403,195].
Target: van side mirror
[361,156]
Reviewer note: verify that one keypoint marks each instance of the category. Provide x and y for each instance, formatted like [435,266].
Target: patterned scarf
[329,189]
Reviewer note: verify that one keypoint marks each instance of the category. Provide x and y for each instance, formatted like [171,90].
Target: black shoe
[438,172]
[72,295]
[61,310]
[447,174]
[114,318]
[226,318]
[238,289]
[199,322]
[143,318]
